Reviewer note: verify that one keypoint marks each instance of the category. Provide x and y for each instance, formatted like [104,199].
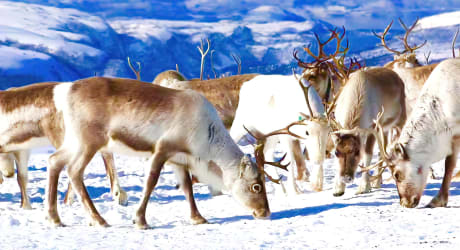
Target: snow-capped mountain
[75,40]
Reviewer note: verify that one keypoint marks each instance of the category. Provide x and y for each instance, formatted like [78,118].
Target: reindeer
[28,121]
[279,101]
[431,134]
[109,114]
[406,65]
[364,94]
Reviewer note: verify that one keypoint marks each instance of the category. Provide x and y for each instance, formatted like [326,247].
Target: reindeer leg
[339,186]
[56,162]
[118,193]
[318,175]
[185,181]
[76,170]
[22,158]
[292,185]
[365,185]
[156,164]
[440,200]
[70,195]
[302,172]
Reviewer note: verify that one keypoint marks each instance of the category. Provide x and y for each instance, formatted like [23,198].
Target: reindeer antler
[136,72]
[260,145]
[408,31]
[203,55]
[382,39]
[453,43]
[238,62]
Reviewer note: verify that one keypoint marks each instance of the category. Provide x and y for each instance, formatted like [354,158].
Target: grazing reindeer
[109,114]
[406,65]
[28,120]
[359,102]
[431,134]
[268,102]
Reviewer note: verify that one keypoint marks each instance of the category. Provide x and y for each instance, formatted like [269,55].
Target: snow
[441,20]
[306,221]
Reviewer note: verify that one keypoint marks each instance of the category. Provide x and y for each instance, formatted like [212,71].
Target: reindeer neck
[426,135]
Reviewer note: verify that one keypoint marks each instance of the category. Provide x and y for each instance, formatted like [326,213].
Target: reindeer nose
[409,203]
[261,213]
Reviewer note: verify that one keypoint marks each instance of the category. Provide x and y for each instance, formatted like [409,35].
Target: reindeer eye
[306,132]
[256,188]
[397,176]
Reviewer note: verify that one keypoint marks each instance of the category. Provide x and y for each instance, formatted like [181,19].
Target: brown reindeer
[363,96]
[128,116]
[28,120]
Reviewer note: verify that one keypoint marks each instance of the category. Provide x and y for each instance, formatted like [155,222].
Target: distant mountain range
[77,39]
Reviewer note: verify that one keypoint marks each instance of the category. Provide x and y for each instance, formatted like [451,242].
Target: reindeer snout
[409,203]
[261,213]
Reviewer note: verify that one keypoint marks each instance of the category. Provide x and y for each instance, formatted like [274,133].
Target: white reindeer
[431,134]
[225,95]
[23,126]
[406,65]
[269,102]
[109,114]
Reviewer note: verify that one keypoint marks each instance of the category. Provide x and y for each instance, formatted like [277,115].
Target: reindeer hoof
[337,194]
[96,223]
[436,202]
[121,197]
[141,224]
[55,222]
[197,220]
[26,206]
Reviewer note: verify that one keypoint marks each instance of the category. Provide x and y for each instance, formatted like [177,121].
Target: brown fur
[120,95]
[388,83]
[223,93]
[28,95]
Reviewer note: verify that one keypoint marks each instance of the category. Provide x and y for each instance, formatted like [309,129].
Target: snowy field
[307,221]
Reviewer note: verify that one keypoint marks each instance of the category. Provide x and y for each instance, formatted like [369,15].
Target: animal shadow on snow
[306,211]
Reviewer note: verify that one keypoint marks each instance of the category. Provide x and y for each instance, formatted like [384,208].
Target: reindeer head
[347,151]
[410,176]
[252,180]
[318,72]
[348,144]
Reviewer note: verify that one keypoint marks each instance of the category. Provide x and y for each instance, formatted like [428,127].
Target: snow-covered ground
[306,221]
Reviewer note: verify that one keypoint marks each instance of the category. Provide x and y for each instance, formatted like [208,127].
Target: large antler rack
[384,44]
[408,31]
[260,145]
[322,56]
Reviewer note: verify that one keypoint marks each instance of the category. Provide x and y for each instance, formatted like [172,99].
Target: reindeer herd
[196,126]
